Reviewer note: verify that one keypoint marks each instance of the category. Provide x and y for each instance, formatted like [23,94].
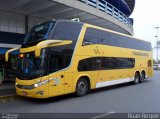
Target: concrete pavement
[7,89]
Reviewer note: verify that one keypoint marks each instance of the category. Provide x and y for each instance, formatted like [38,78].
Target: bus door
[56,76]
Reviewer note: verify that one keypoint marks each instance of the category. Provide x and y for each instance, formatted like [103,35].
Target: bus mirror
[44,44]
[48,43]
[9,51]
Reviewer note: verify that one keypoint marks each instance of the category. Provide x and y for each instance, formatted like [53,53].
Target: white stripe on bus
[114,82]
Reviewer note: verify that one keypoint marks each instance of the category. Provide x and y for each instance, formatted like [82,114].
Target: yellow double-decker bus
[61,57]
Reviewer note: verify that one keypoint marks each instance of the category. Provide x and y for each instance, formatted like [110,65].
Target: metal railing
[109,9]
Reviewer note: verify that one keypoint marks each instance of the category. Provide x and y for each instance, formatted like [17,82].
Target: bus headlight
[36,85]
[41,83]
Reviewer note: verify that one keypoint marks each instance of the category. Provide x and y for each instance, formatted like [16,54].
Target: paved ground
[7,89]
[142,98]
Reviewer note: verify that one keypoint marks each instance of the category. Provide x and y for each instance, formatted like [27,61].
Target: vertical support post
[157,36]
[86,2]
[26,24]
[157,48]
[3,73]
[118,15]
[113,11]
[97,4]
[106,7]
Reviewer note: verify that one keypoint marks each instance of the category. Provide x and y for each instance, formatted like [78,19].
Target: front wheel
[82,87]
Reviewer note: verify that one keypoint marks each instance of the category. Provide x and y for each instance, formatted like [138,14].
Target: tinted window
[59,58]
[39,32]
[117,63]
[96,36]
[65,30]
[105,63]
[89,64]
[61,30]
[56,62]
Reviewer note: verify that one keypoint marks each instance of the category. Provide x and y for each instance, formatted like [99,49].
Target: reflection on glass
[30,66]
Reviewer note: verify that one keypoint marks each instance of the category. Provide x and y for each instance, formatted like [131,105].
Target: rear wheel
[136,78]
[142,77]
[82,87]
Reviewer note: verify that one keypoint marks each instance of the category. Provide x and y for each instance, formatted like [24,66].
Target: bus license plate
[24,93]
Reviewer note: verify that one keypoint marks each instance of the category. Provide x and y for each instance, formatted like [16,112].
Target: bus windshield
[30,66]
[39,32]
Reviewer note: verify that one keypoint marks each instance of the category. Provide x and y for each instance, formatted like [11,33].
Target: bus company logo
[140,54]
[96,50]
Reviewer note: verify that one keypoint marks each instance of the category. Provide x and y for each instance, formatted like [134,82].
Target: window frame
[111,60]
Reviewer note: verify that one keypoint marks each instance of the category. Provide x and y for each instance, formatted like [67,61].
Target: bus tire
[136,78]
[82,87]
[142,77]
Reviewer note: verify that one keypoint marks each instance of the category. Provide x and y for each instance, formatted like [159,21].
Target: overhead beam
[88,18]
[19,3]
[61,12]
[98,21]
[53,10]
[41,7]
[70,14]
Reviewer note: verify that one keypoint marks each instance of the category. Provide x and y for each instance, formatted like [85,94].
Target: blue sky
[146,16]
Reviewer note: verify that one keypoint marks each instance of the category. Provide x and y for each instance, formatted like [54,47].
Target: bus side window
[90,64]
[107,63]
[83,65]
[56,63]
[91,37]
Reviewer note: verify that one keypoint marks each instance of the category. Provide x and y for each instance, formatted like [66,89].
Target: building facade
[18,16]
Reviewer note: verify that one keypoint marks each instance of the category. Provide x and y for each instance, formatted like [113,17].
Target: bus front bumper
[40,92]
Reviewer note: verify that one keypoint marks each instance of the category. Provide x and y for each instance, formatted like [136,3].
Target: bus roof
[93,26]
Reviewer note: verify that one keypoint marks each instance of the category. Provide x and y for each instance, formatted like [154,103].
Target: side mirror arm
[8,52]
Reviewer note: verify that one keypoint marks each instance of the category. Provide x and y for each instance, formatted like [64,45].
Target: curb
[7,93]
[7,98]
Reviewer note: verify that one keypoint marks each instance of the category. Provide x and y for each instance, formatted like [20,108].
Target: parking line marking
[103,115]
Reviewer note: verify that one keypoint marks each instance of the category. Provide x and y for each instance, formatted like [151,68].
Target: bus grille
[25,87]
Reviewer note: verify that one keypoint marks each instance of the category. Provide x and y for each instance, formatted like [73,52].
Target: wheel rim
[136,78]
[82,87]
[143,76]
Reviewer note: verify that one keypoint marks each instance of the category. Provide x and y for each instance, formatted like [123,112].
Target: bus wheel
[82,87]
[142,77]
[136,78]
